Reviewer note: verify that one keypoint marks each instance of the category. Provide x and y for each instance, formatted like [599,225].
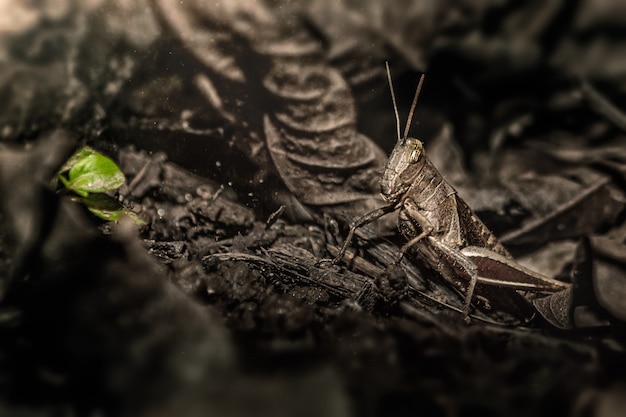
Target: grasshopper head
[407,158]
[405,162]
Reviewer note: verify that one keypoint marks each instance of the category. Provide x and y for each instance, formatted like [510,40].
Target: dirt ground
[251,135]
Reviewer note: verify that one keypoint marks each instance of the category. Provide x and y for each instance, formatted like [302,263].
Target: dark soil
[251,134]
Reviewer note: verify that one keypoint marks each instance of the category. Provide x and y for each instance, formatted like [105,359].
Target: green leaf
[81,153]
[115,215]
[102,202]
[93,173]
[110,216]
[108,208]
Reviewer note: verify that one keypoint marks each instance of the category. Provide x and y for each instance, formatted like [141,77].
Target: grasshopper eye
[415,151]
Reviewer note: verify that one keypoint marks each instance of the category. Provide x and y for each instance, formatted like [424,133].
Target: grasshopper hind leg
[459,266]
[469,295]
[433,251]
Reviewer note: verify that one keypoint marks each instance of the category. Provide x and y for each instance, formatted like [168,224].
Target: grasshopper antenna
[417,94]
[393,99]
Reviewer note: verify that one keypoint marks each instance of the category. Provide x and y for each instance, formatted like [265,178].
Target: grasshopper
[441,230]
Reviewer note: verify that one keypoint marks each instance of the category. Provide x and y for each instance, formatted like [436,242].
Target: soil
[251,136]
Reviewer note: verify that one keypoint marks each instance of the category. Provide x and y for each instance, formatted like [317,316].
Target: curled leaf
[609,279]
[555,308]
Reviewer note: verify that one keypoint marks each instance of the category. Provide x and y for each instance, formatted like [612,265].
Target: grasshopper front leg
[360,222]
[410,212]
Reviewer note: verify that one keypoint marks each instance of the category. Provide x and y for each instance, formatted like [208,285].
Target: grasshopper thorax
[405,162]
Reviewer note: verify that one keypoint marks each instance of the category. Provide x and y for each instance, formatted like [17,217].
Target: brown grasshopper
[440,228]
